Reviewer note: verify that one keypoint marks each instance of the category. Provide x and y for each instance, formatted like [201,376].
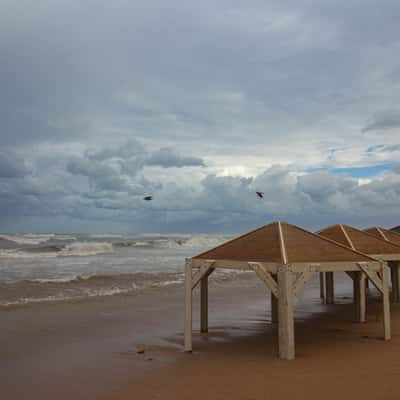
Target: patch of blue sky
[356,172]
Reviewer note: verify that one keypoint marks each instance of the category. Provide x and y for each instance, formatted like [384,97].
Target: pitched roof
[385,234]
[283,243]
[359,240]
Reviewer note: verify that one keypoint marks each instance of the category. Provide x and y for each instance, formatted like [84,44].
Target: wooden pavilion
[284,257]
[368,244]
[385,234]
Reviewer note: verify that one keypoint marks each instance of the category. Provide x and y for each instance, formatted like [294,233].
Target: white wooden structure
[284,257]
[375,247]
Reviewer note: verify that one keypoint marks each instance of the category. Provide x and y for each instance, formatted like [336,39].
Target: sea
[53,268]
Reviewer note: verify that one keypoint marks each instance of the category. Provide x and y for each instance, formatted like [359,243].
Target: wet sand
[88,350]
[336,359]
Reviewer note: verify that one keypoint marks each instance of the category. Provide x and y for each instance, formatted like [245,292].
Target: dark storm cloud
[383,120]
[107,101]
[167,158]
[12,166]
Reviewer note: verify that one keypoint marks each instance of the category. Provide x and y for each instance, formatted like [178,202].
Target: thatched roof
[283,243]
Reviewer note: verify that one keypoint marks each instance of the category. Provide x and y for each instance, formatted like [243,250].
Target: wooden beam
[372,276]
[274,307]
[347,237]
[382,234]
[188,307]
[298,267]
[386,302]
[360,296]
[322,286]
[233,264]
[285,313]
[301,281]
[265,276]
[330,291]
[282,244]
[204,304]
[395,278]
[202,272]
[332,266]
[351,274]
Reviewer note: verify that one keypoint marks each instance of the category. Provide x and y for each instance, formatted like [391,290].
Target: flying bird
[148,198]
[260,195]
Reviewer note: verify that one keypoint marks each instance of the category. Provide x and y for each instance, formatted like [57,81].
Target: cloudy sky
[199,104]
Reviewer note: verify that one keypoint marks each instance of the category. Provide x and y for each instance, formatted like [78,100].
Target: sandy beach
[335,358]
[124,347]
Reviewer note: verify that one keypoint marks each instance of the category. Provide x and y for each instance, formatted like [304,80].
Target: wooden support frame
[330,290]
[274,309]
[265,276]
[204,304]
[322,286]
[284,287]
[285,311]
[203,271]
[300,282]
[188,307]
[395,280]
[386,302]
[372,276]
[360,299]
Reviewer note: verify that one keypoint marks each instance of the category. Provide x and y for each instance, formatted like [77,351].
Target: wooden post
[204,304]
[188,307]
[330,292]
[359,284]
[394,272]
[385,302]
[274,309]
[285,313]
[274,306]
[322,286]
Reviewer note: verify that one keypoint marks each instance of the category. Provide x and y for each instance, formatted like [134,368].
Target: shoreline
[84,349]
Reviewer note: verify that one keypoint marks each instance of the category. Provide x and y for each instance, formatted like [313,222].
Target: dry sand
[89,350]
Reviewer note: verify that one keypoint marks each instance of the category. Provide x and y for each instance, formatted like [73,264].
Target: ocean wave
[77,249]
[33,240]
[27,239]
[64,297]
[86,248]
[80,287]
[83,286]
[198,242]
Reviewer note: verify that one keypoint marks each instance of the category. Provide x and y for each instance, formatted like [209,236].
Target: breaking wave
[32,240]
[77,249]
[81,287]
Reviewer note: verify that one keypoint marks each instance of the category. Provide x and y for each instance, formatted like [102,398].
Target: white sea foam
[204,241]
[62,297]
[86,248]
[27,239]
[105,235]
[65,279]
[31,239]
[168,283]
[77,249]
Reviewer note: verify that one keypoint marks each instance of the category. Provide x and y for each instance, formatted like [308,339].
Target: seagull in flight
[260,195]
[148,198]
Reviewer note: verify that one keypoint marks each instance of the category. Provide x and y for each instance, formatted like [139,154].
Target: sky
[199,104]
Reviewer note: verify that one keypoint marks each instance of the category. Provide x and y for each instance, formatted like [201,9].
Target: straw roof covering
[385,234]
[283,243]
[359,240]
